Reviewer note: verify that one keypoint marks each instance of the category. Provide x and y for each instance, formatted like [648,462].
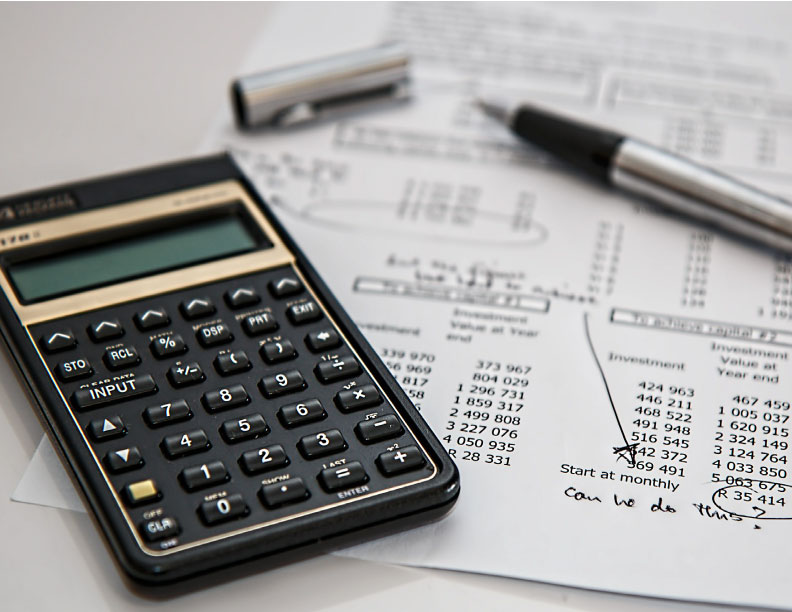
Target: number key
[250,426]
[223,509]
[280,384]
[170,412]
[186,443]
[225,398]
[321,444]
[201,476]
[264,459]
[301,413]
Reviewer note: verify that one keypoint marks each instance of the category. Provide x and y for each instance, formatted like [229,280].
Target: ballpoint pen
[674,182]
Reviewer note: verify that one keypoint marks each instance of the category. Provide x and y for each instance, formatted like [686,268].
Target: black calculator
[211,398]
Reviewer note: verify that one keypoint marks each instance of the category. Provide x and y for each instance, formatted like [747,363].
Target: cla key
[159,529]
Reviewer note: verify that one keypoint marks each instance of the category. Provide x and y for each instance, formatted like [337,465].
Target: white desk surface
[95,88]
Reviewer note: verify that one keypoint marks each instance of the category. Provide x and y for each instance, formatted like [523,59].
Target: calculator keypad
[227,406]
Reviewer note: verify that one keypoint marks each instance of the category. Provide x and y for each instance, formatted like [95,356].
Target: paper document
[614,382]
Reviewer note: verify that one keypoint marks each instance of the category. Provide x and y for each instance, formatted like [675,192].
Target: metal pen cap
[316,89]
[703,193]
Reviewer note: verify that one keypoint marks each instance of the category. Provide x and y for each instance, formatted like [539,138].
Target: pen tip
[496,110]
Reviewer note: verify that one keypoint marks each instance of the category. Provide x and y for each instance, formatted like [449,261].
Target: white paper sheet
[541,321]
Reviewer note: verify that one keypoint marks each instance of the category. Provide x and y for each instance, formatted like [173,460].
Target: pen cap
[303,92]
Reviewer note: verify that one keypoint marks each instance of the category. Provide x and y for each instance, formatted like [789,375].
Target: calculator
[212,400]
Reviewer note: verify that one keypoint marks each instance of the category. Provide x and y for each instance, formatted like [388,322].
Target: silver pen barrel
[695,190]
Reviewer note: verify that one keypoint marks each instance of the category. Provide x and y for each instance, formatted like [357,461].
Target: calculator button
[358,398]
[223,509]
[321,444]
[74,369]
[185,443]
[275,352]
[105,330]
[197,308]
[260,323]
[322,340]
[212,335]
[164,414]
[107,429]
[264,459]
[241,297]
[168,346]
[231,363]
[245,428]
[142,492]
[123,459]
[225,398]
[283,492]
[304,312]
[59,341]
[342,477]
[121,357]
[182,375]
[400,460]
[375,430]
[282,383]
[284,287]
[151,319]
[339,368]
[113,392]
[159,528]
[301,413]
[202,476]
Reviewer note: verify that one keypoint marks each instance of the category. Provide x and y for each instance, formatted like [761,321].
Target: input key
[113,392]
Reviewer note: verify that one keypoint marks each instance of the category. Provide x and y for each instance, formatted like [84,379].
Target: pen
[677,183]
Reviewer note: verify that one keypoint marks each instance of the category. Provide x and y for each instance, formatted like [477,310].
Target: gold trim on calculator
[155,209]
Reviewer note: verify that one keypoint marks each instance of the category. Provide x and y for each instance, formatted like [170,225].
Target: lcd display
[132,257]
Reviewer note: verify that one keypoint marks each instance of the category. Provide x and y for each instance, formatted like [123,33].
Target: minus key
[383,428]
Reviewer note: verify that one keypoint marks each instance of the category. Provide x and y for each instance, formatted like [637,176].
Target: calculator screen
[133,257]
